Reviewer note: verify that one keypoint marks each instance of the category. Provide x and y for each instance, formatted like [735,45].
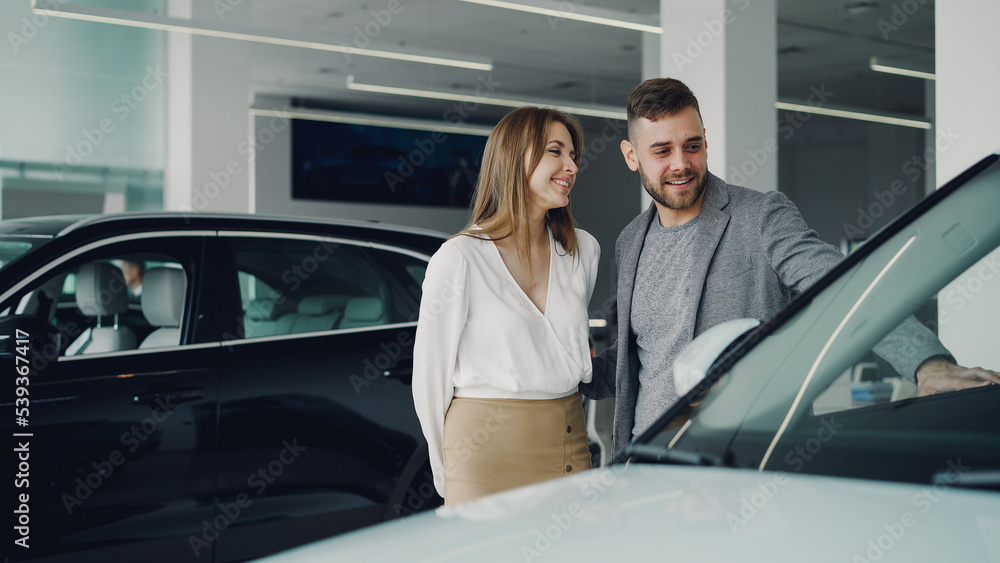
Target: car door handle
[403,370]
[166,396]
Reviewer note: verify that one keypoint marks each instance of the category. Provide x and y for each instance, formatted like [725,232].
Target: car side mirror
[695,359]
[31,338]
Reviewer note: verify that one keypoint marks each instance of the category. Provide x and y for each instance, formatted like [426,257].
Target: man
[133,272]
[706,252]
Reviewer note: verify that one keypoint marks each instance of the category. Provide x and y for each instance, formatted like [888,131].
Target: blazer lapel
[712,223]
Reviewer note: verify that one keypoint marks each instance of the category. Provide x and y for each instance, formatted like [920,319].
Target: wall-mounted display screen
[375,164]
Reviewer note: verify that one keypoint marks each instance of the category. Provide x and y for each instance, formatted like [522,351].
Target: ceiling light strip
[146,21]
[878,67]
[579,13]
[485,100]
[375,120]
[861,116]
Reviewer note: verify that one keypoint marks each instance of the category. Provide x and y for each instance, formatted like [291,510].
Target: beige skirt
[491,445]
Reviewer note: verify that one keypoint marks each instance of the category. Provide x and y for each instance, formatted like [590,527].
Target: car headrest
[267,309]
[163,291]
[101,289]
[363,310]
[320,304]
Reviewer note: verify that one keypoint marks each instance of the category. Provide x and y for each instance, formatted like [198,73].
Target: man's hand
[939,376]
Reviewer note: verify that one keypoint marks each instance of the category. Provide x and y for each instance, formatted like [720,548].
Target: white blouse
[479,335]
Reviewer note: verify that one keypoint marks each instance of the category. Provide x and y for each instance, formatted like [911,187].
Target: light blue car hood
[655,512]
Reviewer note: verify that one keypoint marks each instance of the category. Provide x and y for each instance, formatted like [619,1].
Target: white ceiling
[534,56]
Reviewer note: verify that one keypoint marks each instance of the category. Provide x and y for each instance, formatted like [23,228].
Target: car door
[317,433]
[121,425]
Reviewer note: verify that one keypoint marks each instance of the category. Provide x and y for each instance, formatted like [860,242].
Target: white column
[650,69]
[650,45]
[968,128]
[726,52]
[930,136]
[208,164]
[968,78]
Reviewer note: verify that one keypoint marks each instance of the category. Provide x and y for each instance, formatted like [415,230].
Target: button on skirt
[492,445]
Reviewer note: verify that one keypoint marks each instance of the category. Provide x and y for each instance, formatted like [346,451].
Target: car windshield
[827,386]
[11,248]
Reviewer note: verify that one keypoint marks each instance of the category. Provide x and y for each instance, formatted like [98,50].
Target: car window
[111,301]
[296,286]
[867,420]
[961,315]
[416,271]
[253,288]
[11,249]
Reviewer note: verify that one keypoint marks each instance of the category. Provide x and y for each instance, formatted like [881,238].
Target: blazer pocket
[725,268]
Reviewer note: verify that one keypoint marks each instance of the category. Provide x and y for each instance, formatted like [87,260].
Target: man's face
[131,273]
[671,156]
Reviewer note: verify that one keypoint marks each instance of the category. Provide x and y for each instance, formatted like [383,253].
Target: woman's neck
[538,235]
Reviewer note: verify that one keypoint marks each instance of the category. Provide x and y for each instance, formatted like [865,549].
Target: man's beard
[667,197]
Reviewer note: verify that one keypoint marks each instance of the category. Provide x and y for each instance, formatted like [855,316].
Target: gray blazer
[755,253]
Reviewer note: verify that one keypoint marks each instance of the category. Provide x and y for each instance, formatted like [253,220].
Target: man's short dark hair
[658,97]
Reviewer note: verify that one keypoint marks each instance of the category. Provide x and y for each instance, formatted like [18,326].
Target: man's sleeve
[794,251]
[800,258]
[602,383]
[908,346]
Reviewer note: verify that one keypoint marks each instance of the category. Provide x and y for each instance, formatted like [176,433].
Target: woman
[502,340]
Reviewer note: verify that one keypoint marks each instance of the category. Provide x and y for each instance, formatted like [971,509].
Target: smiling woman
[502,341]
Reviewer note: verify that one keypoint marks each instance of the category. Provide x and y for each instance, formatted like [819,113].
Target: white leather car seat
[262,317]
[101,291]
[163,292]
[315,313]
[363,311]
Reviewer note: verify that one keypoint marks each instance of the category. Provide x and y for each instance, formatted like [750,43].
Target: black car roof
[38,226]
[62,225]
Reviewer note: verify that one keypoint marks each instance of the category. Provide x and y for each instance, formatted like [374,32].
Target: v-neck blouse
[479,335]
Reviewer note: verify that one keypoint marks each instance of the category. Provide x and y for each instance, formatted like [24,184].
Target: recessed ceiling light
[859,7]
[489,100]
[880,66]
[577,12]
[141,20]
[857,115]
[370,119]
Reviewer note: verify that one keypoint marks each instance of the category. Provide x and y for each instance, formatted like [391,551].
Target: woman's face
[549,184]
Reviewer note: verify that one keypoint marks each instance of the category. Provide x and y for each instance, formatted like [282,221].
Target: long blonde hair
[500,205]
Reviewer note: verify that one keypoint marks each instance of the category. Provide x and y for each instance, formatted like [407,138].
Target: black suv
[207,387]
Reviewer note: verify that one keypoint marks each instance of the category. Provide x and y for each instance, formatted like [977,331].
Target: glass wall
[851,176]
[82,107]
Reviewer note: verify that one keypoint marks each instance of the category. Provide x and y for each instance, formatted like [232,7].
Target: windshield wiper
[658,454]
[986,479]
